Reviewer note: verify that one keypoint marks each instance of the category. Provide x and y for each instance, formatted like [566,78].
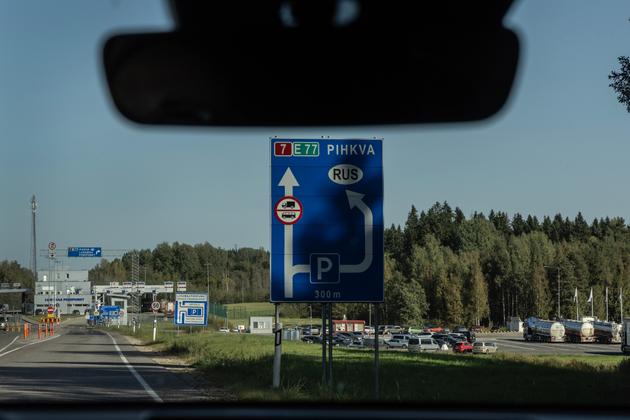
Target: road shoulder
[181,369]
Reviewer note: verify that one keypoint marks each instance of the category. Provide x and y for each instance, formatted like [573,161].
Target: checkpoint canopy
[326,220]
[191,309]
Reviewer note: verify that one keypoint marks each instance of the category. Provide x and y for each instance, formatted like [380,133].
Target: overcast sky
[561,145]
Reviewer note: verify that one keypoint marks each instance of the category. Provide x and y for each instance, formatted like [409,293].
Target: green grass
[242,364]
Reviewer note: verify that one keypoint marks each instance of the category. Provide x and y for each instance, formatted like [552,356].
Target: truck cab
[625,336]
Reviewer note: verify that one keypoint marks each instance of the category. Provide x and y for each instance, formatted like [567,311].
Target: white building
[68,290]
[261,324]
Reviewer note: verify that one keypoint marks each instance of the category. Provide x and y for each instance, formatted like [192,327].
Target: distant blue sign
[110,312]
[83,251]
[327,220]
[191,309]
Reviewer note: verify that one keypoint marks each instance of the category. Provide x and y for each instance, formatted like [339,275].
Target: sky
[560,145]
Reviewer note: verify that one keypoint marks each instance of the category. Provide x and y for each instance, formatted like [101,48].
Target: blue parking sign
[327,220]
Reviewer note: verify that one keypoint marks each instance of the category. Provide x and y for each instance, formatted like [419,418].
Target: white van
[422,344]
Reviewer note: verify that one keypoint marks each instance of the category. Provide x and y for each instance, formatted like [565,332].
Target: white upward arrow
[288,181]
[356,200]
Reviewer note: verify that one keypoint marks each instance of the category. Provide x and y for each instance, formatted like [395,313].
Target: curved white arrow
[356,200]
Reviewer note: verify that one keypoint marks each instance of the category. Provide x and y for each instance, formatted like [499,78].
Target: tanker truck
[579,331]
[536,329]
[607,332]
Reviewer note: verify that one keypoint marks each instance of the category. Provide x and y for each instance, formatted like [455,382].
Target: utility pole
[557,268]
[208,278]
[34,238]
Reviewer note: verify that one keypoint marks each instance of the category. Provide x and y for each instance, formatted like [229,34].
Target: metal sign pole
[330,346]
[277,357]
[324,339]
[376,361]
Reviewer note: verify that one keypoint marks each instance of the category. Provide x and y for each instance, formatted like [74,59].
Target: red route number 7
[282,148]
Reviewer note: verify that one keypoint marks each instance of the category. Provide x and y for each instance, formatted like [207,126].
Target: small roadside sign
[52,246]
[191,309]
[155,306]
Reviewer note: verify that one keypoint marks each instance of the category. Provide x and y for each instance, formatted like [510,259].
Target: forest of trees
[488,268]
[12,272]
[235,275]
[440,266]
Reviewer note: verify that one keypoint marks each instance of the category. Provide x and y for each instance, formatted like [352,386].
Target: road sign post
[327,226]
[277,356]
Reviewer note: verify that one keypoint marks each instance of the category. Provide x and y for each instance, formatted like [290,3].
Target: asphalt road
[514,343]
[80,364]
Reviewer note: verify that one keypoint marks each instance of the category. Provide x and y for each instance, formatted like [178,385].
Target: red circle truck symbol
[288,210]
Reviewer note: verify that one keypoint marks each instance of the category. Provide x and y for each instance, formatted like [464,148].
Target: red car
[463,347]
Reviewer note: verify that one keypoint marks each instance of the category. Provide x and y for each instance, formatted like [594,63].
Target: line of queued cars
[415,340]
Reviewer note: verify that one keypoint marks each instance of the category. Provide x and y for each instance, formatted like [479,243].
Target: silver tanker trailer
[608,332]
[535,329]
[579,331]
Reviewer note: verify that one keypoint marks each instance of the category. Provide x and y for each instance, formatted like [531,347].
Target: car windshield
[171,264]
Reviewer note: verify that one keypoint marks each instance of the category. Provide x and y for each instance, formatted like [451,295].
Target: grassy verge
[243,365]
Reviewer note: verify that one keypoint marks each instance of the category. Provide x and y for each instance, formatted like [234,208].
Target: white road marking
[2,349]
[26,345]
[135,374]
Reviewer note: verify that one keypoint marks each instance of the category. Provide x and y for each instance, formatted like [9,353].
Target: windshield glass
[136,261]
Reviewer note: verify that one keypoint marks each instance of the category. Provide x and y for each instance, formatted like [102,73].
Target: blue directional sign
[110,312]
[326,220]
[84,251]
[191,309]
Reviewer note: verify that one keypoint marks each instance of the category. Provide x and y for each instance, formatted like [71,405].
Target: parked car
[463,347]
[398,341]
[417,345]
[4,325]
[356,344]
[368,329]
[434,328]
[311,339]
[224,330]
[484,347]
[341,340]
[470,336]
[443,342]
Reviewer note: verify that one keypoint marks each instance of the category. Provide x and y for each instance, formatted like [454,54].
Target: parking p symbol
[324,264]
[324,268]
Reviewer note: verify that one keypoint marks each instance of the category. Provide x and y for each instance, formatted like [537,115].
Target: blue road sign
[326,220]
[191,309]
[84,251]
[110,312]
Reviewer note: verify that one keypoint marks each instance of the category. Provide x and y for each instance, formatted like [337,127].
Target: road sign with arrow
[327,220]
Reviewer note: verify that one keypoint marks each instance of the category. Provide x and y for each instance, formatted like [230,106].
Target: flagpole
[592,303]
[606,303]
[621,303]
[577,306]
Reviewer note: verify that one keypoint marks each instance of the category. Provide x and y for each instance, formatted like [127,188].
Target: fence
[235,312]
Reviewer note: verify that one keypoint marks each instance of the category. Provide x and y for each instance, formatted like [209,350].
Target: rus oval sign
[345,174]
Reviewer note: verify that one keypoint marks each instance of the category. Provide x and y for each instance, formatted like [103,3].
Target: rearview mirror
[396,62]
